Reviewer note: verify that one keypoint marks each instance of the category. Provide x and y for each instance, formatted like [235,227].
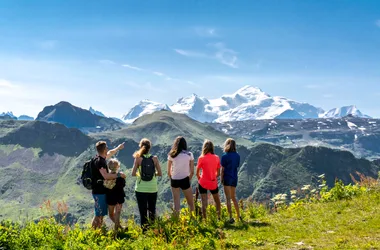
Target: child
[115,193]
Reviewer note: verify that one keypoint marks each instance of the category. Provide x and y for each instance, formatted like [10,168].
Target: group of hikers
[108,182]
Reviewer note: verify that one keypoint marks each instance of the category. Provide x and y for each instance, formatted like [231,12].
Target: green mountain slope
[43,161]
[162,127]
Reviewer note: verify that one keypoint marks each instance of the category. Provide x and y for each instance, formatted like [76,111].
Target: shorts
[101,208]
[112,200]
[230,182]
[184,184]
[204,191]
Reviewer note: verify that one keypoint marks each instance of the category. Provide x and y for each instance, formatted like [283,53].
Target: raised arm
[112,152]
[157,165]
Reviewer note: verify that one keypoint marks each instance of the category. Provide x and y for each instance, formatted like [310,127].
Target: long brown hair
[145,146]
[208,147]
[230,145]
[179,145]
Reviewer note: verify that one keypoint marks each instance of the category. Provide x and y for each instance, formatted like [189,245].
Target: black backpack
[148,170]
[87,174]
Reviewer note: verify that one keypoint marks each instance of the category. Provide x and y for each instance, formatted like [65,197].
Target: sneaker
[231,221]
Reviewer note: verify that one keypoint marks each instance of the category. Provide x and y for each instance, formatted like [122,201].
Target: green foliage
[256,211]
[341,191]
[339,223]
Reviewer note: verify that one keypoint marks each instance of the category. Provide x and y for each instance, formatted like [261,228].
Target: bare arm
[157,165]
[170,168]
[198,171]
[135,166]
[107,176]
[112,152]
[191,169]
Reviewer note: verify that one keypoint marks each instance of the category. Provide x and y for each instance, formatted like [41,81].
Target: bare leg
[227,193]
[111,213]
[97,222]
[217,203]
[177,202]
[235,201]
[204,205]
[118,209]
[189,198]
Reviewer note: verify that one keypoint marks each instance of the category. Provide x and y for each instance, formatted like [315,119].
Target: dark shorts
[101,208]
[230,182]
[112,200]
[204,191]
[182,184]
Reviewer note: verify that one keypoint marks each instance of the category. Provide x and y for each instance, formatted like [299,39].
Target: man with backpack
[99,173]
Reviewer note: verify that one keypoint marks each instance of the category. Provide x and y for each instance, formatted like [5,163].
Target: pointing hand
[121,146]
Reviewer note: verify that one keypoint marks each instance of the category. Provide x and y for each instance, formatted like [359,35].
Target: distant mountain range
[48,157]
[248,103]
[75,117]
[10,116]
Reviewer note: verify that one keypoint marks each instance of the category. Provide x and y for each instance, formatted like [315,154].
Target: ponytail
[145,145]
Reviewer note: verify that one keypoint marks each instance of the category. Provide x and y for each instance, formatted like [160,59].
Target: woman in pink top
[181,171]
[209,163]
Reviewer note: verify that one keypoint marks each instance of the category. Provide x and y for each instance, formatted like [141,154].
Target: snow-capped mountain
[245,104]
[95,112]
[344,111]
[194,107]
[248,103]
[143,108]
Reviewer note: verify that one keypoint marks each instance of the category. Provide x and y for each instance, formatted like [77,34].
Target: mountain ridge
[247,103]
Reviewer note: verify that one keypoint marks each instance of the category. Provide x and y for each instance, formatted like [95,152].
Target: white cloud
[206,32]
[225,55]
[220,52]
[48,44]
[190,53]
[377,23]
[132,67]
[7,84]
[158,73]
[145,86]
[109,62]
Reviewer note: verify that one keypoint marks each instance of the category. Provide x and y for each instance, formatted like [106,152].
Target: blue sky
[112,54]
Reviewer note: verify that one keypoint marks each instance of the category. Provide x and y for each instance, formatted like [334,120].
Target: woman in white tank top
[181,171]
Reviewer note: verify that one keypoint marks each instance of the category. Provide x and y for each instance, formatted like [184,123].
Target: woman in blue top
[229,175]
